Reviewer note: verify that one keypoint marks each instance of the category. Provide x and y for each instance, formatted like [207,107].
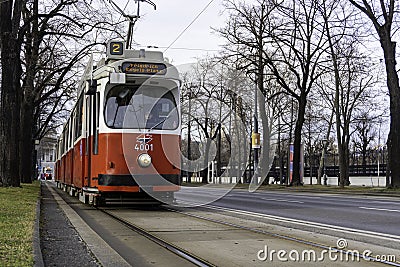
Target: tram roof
[129,63]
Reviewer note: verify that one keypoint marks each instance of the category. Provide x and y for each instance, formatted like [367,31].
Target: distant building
[46,157]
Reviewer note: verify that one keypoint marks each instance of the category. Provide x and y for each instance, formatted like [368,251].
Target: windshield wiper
[115,117]
[160,122]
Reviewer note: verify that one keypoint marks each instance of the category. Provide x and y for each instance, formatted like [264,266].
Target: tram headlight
[144,160]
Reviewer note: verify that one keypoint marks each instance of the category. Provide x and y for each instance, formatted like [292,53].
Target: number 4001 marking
[143,147]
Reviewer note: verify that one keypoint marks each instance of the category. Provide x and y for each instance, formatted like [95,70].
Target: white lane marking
[386,202]
[304,196]
[309,223]
[378,209]
[255,197]
[282,200]
[324,197]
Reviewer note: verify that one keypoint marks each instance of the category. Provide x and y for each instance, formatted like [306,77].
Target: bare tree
[382,16]
[210,87]
[348,87]
[48,58]
[318,127]
[248,37]
[51,39]
[293,57]
[355,94]
[365,133]
[205,95]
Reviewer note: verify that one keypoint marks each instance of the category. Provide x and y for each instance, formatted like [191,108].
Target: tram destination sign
[144,68]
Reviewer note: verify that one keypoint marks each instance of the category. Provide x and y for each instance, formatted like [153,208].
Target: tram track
[198,261]
[351,253]
[163,237]
[210,237]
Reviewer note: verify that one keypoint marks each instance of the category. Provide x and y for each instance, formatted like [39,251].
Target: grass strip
[17,218]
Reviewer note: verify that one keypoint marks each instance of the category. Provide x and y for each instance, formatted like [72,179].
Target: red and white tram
[122,139]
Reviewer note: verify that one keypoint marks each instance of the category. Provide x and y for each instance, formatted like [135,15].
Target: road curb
[37,252]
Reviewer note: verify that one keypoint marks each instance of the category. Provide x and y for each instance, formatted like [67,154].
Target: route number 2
[116,48]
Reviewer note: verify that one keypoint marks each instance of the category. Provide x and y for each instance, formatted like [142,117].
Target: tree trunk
[265,159]
[343,163]
[389,49]
[26,146]
[388,172]
[10,14]
[342,166]
[10,112]
[347,165]
[26,143]
[296,181]
[322,159]
[205,171]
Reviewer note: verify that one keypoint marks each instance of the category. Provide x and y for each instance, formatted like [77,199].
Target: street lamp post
[379,150]
[189,152]
[310,164]
[256,135]
[378,158]
[324,161]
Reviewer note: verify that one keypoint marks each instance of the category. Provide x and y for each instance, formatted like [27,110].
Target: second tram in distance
[122,140]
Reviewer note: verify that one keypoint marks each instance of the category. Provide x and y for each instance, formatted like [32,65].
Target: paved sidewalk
[60,243]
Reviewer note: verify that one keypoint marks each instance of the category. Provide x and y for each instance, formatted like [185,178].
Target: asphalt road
[365,213]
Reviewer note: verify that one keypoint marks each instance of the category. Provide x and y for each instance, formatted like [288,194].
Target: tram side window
[59,148]
[57,151]
[73,124]
[62,145]
[70,128]
[78,118]
[65,139]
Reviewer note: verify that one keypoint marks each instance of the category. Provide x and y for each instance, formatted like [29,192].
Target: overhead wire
[117,8]
[190,24]
[127,2]
[185,48]
[123,14]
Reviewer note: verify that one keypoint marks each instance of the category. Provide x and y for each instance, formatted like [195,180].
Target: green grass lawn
[17,217]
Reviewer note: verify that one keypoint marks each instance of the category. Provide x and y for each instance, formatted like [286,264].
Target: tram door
[88,126]
[92,135]
[78,158]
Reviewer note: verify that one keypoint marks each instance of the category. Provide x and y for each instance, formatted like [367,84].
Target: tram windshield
[144,107]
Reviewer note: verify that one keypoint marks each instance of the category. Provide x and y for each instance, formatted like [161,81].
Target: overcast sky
[162,26]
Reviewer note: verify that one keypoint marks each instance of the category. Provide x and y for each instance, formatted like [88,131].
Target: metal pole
[256,159]
[325,178]
[379,149]
[212,172]
[208,172]
[279,151]
[230,136]
[189,152]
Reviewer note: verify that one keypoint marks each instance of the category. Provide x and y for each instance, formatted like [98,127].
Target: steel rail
[285,237]
[174,249]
